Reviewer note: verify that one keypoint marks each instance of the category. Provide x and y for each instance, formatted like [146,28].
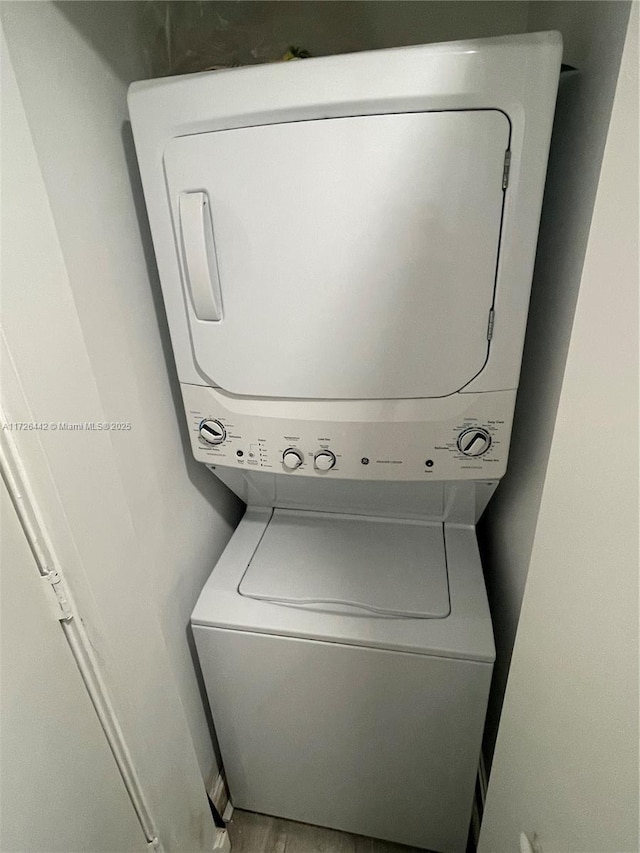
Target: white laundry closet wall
[89,343]
[593,36]
[566,759]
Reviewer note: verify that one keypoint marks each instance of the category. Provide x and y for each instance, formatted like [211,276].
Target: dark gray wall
[222,33]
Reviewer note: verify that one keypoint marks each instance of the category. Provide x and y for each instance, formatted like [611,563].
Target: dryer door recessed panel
[355,257]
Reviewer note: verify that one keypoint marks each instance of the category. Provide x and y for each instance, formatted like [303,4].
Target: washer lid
[341,258]
[329,562]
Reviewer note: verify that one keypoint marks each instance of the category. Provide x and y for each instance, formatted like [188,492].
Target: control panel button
[474,441]
[292,459]
[324,460]
[212,431]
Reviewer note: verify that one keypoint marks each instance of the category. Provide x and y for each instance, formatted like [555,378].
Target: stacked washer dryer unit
[346,247]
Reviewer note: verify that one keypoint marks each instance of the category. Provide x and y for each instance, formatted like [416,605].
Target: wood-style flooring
[257,833]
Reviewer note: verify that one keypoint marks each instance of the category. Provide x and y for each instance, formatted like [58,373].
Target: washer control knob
[212,431]
[324,460]
[474,441]
[292,458]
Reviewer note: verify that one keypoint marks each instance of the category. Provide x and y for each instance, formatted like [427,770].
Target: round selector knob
[212,431]
[474,441]
[292,458]
[324,460]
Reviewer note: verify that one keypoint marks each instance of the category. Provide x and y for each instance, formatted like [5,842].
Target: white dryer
[346,246]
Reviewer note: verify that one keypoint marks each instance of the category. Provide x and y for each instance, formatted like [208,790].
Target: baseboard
[223,842]
[217,790]
[479,799]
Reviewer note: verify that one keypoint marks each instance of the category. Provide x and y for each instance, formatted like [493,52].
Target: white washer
[345,247]
[338,714]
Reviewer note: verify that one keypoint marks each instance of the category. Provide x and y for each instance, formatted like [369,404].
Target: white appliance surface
[354,720]
[351,243]
[449,501]
[345,247]
[369,741]
[376,565]
[405,440]
[465,633]
[340,243]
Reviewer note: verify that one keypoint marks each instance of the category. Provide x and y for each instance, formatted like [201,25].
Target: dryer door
[341,258]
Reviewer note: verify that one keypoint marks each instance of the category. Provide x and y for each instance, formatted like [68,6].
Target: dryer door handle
[199,255]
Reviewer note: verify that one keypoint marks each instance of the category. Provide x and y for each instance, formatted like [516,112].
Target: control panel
[463,436]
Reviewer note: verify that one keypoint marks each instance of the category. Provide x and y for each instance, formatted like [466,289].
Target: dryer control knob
[212,431]
[474,441]
[324,460]
[292,458]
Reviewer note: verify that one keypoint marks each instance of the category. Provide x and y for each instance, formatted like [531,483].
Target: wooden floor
[256,833]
